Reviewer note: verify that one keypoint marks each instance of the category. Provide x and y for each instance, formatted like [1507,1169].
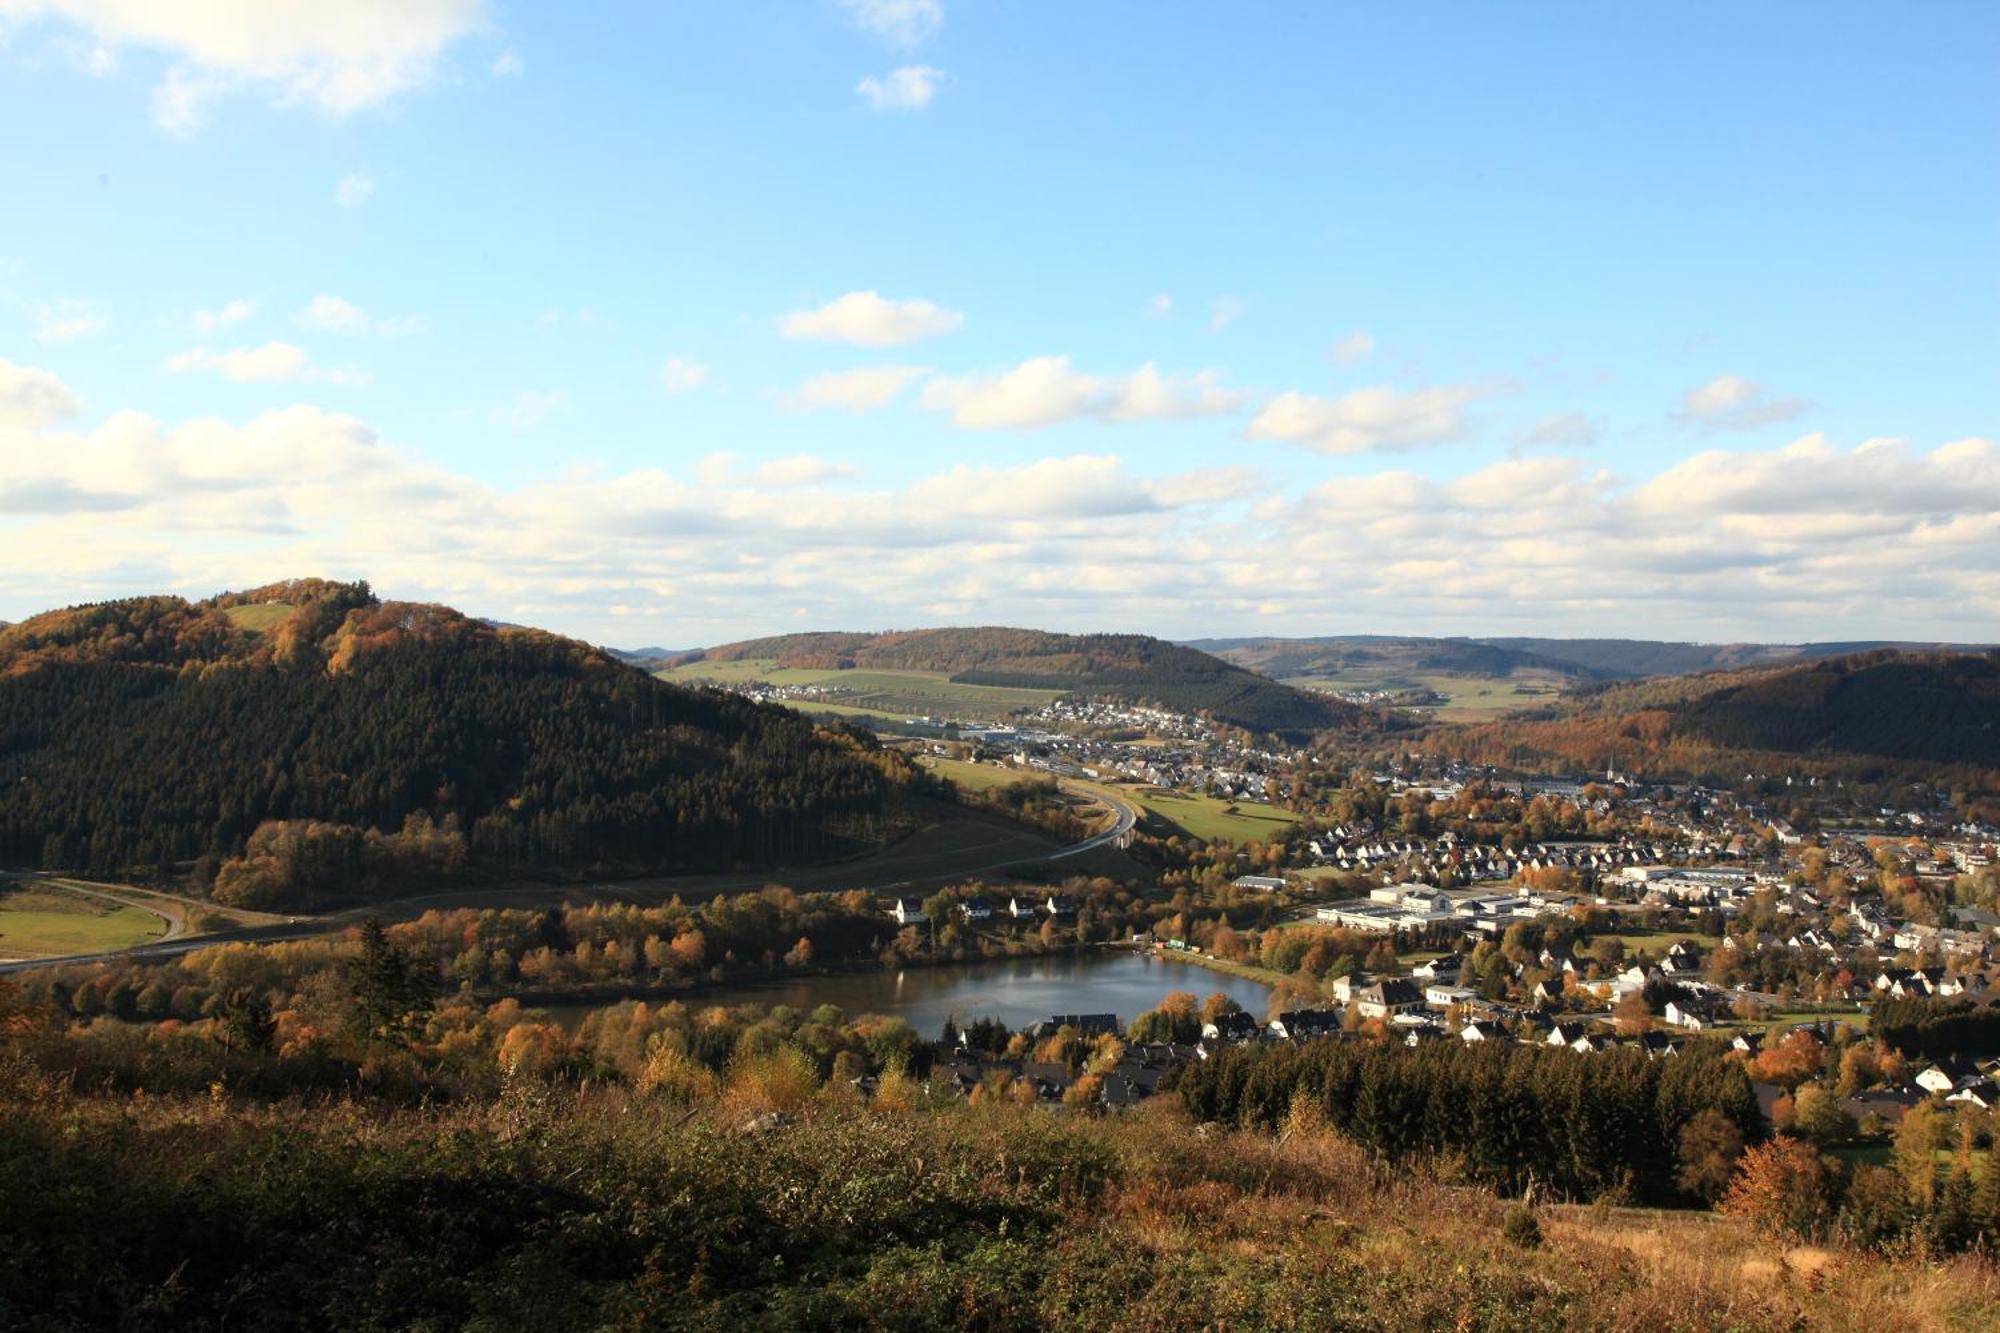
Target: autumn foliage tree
[1784,1188]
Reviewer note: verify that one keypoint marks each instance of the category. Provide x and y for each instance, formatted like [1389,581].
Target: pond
[1017,991]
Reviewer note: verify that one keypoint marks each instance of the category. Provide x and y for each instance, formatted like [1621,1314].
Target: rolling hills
[1356,655]
[1130,666]
[1883,706]
[306,742]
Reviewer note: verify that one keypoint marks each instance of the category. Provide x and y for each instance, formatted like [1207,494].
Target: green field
[1467,697]
[260,617]
[977,777]
[37,921]
[897,694]
[1208,818]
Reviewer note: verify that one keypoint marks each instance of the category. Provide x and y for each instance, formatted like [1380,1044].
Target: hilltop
[1884,706]
[306,742]
[1131,666]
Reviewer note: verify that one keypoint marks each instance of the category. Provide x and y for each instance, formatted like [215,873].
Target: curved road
[1125,817]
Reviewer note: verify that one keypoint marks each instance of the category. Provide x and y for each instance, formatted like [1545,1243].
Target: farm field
[39,920]
[976,777]
[1468,697]
[1208,818]
[898,694]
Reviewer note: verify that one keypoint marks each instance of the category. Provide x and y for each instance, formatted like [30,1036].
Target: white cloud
[272,361]
[1045,390]
[508,65]
[334,315]
[1160,306]
[1730,402]
[867,319]
[863,389]
[1368,420]
[1225,311]
[1881,539]
[679,374]
[30,396]
[1563,430]
[910,88]
[903,22]
[337,58]
[354,189]
[798,470]
[527,409]
[230,312]
[1355,347]
[66,320]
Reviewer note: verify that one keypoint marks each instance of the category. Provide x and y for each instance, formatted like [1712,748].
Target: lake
[1017,991]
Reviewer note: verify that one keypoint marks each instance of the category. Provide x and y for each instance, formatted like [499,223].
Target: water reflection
[1017,991]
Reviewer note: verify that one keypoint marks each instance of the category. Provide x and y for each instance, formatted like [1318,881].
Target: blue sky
[693,321]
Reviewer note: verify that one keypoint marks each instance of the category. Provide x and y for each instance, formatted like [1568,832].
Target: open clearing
[1207,817]
[868,692]
[1466,697]
[41,921]
[979,777]
[258,618]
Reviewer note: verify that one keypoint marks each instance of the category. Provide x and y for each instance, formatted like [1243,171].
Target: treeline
[1934,1029]
[1586,1126]
[135,739]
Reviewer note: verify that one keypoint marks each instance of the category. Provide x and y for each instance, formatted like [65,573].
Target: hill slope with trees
[306,743]
[1125,665]
[1885,706]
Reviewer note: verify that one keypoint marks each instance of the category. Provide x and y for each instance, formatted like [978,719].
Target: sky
[671,324]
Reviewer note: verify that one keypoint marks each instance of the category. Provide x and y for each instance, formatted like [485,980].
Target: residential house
[1231,1028]
[1388,997]
[1299,1025]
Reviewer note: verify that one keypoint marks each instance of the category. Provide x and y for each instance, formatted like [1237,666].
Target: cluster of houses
[1482,862]
[1413,906]
[1018,907]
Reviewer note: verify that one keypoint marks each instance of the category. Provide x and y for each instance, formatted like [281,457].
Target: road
[1125,816]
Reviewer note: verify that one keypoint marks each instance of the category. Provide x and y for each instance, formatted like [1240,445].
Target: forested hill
[1127,665]
[1923,708]
[1580,659]
[306,743]
[1289,659]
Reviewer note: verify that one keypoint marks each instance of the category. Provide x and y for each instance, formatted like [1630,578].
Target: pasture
[868,692]
[40,921]
[1467,698]
[1210,818]
[259,618]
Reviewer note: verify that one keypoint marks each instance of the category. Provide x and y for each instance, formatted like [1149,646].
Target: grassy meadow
[898,694]
[1209,818]
[39,921]
[1468,698]
[259,618]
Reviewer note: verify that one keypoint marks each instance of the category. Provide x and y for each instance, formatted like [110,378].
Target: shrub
[1521,1228]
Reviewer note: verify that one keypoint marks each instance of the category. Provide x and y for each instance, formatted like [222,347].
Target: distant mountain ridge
[1606,659]
[1127,665]
[1333,655]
